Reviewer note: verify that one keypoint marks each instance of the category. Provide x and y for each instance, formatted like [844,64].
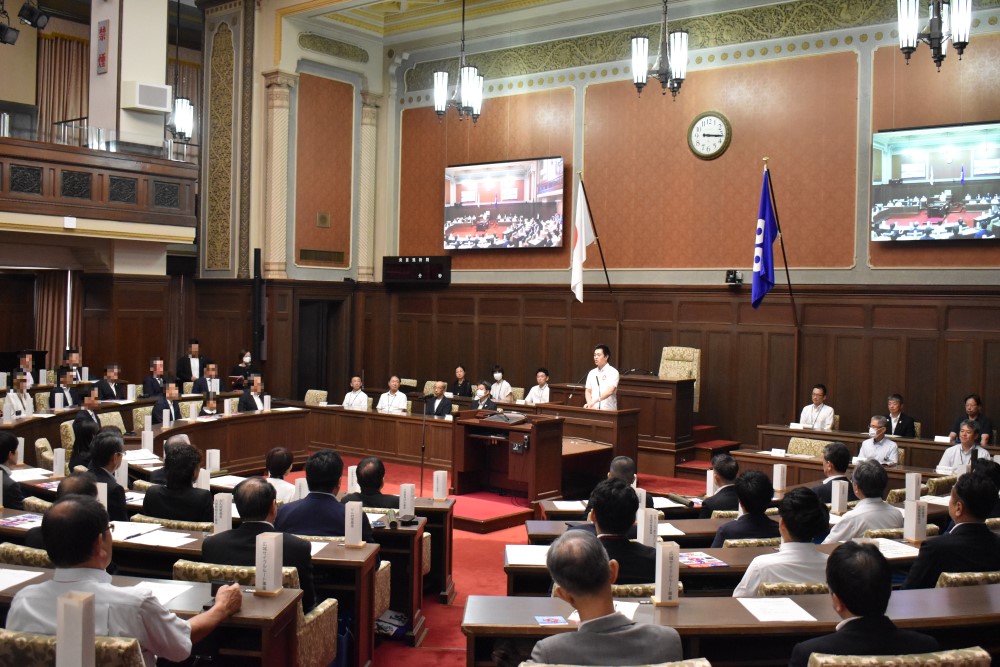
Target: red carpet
[485,505]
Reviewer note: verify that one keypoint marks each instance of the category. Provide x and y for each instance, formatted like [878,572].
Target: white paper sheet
[140,456]
[314,547]
[24,474]
[124,530]
[936,500]
[227,481]
[134,499]
[769,610]
[288,409]
[374,516]
[525,554]
[163,538]
[23,521]
[665,529]
[165,592]
[625,608]
[662,503]
[893,549]
[570,505]
[9,578]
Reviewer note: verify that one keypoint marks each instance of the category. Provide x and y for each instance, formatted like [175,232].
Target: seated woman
[500,390]
[179,500]
[84,431]
[279,464]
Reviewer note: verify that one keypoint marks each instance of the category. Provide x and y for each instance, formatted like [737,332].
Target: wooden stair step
[693,469]
[703,432]
[704,451]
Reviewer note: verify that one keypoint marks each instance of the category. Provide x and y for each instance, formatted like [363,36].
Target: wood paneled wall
[17,304]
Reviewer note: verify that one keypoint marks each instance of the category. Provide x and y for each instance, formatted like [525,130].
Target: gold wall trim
[332,47]
[222,83]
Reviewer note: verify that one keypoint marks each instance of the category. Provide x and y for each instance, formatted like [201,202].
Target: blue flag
[763,254]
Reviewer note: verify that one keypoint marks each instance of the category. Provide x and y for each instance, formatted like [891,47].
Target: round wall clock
[709,135]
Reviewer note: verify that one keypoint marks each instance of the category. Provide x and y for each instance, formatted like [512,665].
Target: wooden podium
[524,457]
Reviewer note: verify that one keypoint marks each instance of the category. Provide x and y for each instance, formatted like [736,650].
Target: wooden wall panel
[741,416]
[920,386]
[280,327]
[886,371]
[17,303]
[778,389]
[140,321]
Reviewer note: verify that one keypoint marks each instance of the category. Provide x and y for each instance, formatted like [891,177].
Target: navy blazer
[443,409]
[825,491]
[184,368]
[636,562]
[318,514]
[162,404]
[868,635]
[13,497]
[187,504]
[151,386]
[247,404]
[906,427]
[746,527]
[108,392]
[74,396]
[373,500]
[968,547]
[724,500]
[200,385]
[116,493]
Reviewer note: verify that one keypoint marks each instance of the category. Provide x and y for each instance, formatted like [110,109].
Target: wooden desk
[722,630]
[440,515]
[697,532]
[549,512]
[810,470]
[263,632]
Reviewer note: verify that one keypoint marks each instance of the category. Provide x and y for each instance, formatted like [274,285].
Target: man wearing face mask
[877,446]
[483,400]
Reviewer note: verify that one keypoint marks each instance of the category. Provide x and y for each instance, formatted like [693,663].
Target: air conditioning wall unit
[147,97]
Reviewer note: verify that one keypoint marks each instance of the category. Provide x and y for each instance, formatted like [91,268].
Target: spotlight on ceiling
[8,35]
[31,15]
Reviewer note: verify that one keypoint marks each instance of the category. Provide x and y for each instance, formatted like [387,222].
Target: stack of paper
[668,529]
[141,457]
[165,591]
[570,505]
[662,503]
[162,538]
[25,474]
[699,559]
[769,610]
[893,549]
[525,554]
[11,578]
[227,481]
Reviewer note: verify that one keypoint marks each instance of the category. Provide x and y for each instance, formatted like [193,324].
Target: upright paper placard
[353,524]
[227,407]
[838,496]
[641,493]
[914,520]
[85,374]
[269,559]
[102,493]
[59,400]
[59,461]
[204,479]
[166,418]
[75,645]
[43,376]
[352,480]
[8,412]
[213,386]
[267,402]
[407,499]
[440,485]
[223,508]
[709,483]
[301,488]
[646,528]
[667,577]
[213,459]
[121,475]
[913,486]
[4,380]
[29,408]
[20,451]
[130,392]
[147,440]
[192,410]
[147,423]
[779,475]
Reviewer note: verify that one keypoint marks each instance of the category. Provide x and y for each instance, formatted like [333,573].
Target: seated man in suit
[483,400]
[871,512]
[13,497]
[167,401]
[65,389]
[899,424]
[438,405]
[108,388]
[79,483]
[724,471]
[107,453]
[189,366]
[623,468]
[209,381]
[160,476]
[803,518]
[754,491]
[877,446]
[78,540]
[583,575]
[860,582]
[371,476]
[152,385]
[320,513]
[970,546]
[252,398]
[613,506]
[836,458]
[179,499]
[255,501]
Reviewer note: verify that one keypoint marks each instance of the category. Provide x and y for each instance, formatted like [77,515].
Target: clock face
[709,135]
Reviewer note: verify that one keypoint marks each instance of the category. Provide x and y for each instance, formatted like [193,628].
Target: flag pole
[781,240]
[597,237]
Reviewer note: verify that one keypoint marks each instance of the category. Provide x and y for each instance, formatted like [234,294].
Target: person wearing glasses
[107,453]
[817,415]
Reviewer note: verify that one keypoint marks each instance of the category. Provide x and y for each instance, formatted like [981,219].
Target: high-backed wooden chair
[315,396]
[956,657]
[27,649]
[809,446]
[43,453]
[682,363]
[780,589]
[957,579]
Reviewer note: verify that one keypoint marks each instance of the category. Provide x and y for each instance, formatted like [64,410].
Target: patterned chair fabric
[112,419]
[43,453]
[66,440]
[42,401]
[315,396]
[517,393]
[897,533]
[940,486]
[429,387]
[836,422]
[958,657]
[639,590]
[783,588]
[15,554]
[899,495]
[371,402]
[383,578]
[174,524]
[409,407]
[408,382]
[139,417]
[956,579]
[27,649]
[916,428]
[993,524]
[187,387]
[692,662]
[753,542]
[682,363]
[425,563]
[234,404]
[809,446]
[36,505]
[50,376]
[733,514]
[141,486]
[901,455]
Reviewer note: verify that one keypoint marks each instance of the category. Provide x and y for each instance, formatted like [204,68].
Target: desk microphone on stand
[582,379]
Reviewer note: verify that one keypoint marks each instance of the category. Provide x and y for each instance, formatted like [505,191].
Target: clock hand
[713,135]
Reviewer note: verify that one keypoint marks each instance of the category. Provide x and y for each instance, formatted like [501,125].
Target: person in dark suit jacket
[623,468]
[179,500]
[614,504]
[438,405]
[252,398]
[904,426]
[78,483]
[70,395]
[107,452]
[85,427]
[836,458]
[167,401]
[255,501]
[13,497]
[108,388]
[724,471]
[185,367]
[860,582]
[754,490]
[211,372]
[970,546]
[483,400]
[461,386]
[992,470]
[152,385]
[320,513]
[371,476]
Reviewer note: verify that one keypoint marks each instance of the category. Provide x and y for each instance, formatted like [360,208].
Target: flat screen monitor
[504,205]
[936,183]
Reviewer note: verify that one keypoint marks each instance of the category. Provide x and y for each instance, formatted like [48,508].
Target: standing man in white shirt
[877,446]
[356,399]
[817,415]
[540,392]
[393,401]
[602,382]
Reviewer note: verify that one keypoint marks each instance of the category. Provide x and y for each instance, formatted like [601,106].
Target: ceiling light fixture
[31,15]
[671,59]
[950,20]
[182,119]
[467,97]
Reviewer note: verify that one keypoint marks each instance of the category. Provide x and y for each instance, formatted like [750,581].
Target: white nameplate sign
[166,418]
[130,392]
[353,523]
[223,513]
[75,645]
[213,458]
[838,496]
[192,410]
[20,451]
[227,407]
[647,526]
[407,499]
[204,479]
[59,400]
[267,402]
[102,493]
[710,483]
[352,480]
[147,423]
[269,560]
[59,461]
[913,486]
[779,475]
[85,374]
[440,485]
[147,440]
[121,475]
[301,488]
[942,438]
[667,575]
[914,520]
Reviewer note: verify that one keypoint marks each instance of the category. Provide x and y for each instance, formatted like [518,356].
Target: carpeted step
[694,469]
[704,432]
[704,451]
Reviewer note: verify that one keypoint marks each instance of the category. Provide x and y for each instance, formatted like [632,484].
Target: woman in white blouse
[500,390]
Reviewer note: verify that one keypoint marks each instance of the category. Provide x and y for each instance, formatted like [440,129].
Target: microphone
[582,379]
[974,456]
[597,379]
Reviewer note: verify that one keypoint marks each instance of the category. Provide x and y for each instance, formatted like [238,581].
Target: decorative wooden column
[278,86]
[366,193]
